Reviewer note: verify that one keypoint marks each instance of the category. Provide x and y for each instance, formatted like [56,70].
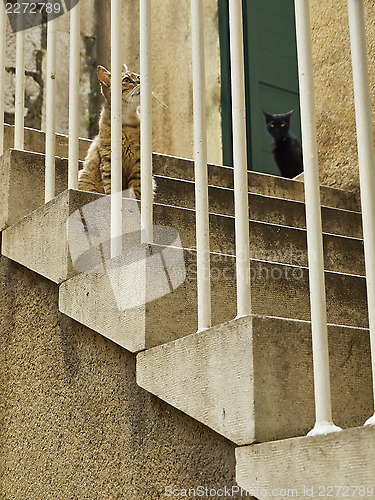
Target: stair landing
[338,465]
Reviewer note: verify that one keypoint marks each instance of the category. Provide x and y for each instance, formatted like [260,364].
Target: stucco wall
[334,89]
[172,77]
[87,115]
[172,72]
[34,42]
[74,424]
[35,73]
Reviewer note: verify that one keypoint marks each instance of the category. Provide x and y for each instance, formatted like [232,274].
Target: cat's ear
[268,117]
[289,114]
[104,76]
[125,68]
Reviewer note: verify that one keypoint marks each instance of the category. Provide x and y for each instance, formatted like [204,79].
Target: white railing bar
[366,158]
[240,159]
[19,119]
[146,121]
[50,111]
[200,167]
[323,409]
[3,26]
[116,129]
[74,115]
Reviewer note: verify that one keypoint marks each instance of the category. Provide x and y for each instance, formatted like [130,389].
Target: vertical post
[74,97]
[146,121]
[2,72]
[50,110]
[323,410]
[116,130]
[240,159]
[366,159]
[200,166]
[20,85]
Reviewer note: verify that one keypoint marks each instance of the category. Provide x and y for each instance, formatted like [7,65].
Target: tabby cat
[96,173]
[286,149]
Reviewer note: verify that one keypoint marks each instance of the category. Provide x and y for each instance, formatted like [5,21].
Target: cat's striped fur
[96,173]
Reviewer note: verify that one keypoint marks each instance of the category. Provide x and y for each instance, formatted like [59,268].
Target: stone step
[98,300]
[181,168]
[39,241]
[42,240]
[22,177]
[26,240]
[35,141]
[251,379]
[22,184]
[269,242]
[261,208]
[340,465]
[264,184]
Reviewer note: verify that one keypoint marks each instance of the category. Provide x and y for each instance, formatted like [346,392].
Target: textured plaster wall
[87,115]
[171,64]
[73,422]
[33,76]
[334,89]
[172,72]
[35,73]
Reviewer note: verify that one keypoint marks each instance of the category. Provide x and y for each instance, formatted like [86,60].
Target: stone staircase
[249,379]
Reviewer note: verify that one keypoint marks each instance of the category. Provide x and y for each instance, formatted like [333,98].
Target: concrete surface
[336,127]
[181,168]
[339,465]
[39,241]
[170,316]
[26,241]
[22,184]
[277,290]
[268,185]
[261,208]
[22,192]
[74,423]
[35,141]
[251,379]
[268,242]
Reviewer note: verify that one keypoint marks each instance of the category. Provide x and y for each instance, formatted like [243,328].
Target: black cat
[286,149]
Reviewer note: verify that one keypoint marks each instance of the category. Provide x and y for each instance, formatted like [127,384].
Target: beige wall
[87,69]
[172,77]
[334,89]
[74,423]
[35,68]
[172,72]
[171,56]
[33,78]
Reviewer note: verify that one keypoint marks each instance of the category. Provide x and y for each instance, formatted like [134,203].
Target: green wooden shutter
[271,75]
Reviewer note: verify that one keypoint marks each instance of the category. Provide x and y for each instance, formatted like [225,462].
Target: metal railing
[324,422]
[313,223]
[366,158]
[116,130]
[240,159]
[50,111]
[3,19]
[74,73]
[201,172]
[20,85]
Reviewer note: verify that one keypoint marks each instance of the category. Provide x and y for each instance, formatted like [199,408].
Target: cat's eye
[272,125]
[126,80]
[282,124]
